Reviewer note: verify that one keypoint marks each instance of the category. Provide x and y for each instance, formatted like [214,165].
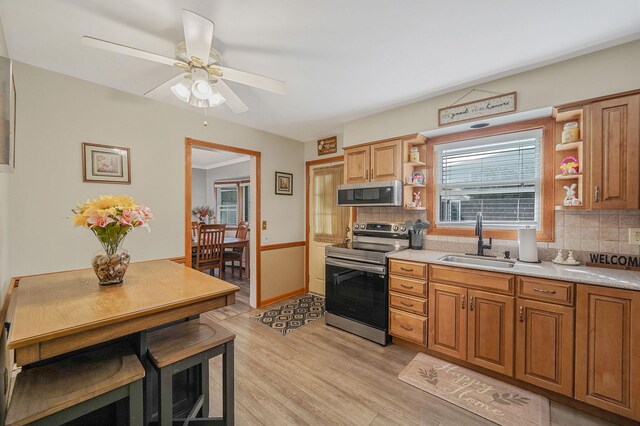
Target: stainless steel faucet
[481,245]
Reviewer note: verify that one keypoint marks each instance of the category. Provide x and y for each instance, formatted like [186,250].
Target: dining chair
[210,248]
[237,253]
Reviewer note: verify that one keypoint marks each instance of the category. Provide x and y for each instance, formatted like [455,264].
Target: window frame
[547,209]
[240,186]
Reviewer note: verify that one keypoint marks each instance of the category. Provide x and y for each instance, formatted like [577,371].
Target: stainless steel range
[356,279]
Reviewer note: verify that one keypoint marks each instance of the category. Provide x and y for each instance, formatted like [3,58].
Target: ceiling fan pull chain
[204,123]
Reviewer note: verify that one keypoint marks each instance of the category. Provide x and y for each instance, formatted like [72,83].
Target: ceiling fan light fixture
[182,90]
[201,89]
[216,98]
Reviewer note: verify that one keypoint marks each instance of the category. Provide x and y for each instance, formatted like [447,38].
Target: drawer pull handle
[406,269]
[462,303]
[406,327]
[542,290]
[521,314]
[406,286]
[471,303]
[409,305]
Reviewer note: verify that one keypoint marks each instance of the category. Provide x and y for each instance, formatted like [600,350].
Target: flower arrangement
[203,212]
[110,218]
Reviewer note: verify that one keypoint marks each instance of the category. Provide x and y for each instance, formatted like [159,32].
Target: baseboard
[281,297]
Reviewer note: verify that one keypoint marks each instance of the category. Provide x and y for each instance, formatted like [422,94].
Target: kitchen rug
[492,399]
[289,317]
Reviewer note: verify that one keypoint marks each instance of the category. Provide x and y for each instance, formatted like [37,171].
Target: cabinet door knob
[471,303]
[596,195]
[521,314]
[367,174]
[462,302]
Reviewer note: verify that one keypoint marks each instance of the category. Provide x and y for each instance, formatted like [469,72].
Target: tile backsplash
[583,232]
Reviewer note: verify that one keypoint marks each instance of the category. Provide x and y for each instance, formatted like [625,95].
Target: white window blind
[498,176]
[227,204]
[246,197]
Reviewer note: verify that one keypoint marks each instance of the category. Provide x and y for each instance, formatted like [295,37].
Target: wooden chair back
[195,230]
[210,245]
[243,230]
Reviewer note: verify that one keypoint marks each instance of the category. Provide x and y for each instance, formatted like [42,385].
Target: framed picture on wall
[106,164]
[284,183]
[7,116]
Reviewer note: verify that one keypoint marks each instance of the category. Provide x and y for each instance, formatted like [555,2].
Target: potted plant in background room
[111,218]
[203,213]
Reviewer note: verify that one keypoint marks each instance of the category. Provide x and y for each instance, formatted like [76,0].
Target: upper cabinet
[614,136]
[375,162]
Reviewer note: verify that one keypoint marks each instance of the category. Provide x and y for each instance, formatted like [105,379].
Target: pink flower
[95,220]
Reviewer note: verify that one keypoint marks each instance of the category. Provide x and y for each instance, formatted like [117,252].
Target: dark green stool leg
[228,400]
[136,405]
[165,396]
[204,387]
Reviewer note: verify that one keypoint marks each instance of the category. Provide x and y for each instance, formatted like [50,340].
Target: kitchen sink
[478,261]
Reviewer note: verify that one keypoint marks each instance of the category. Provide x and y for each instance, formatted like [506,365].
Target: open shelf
[569,177]
[414,185]
[569,146]
[421,209]
[419,164]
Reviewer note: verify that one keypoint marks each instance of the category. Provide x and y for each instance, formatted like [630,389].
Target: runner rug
[289,317]
[492,399]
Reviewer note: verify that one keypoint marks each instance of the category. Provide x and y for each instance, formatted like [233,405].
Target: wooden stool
[185,345]
[62,391]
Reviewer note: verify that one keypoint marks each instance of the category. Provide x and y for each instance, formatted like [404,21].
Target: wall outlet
[634,236]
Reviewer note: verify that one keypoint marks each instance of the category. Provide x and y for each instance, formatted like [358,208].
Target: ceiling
[341,59]
[211,159]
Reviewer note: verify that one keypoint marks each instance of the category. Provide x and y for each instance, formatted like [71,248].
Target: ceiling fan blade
[130,51]
[161,91]
[198,34]
[253,80]
[232,100]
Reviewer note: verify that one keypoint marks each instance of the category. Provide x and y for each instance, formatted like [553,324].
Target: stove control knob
[403,228]
[356,226]
[395,227]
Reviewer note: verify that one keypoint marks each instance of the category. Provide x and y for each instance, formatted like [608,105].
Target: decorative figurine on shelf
[570,258]
[569,166]
[416,199]
[418,178]
[559,258]
[570,198]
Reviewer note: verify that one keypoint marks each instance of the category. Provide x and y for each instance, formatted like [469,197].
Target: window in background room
[246,198]
[330,221]
[227,204]
[499,176]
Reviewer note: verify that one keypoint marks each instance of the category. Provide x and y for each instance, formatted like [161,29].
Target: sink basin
[478,261]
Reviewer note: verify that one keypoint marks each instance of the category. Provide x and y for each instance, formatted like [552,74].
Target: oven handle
[357,266]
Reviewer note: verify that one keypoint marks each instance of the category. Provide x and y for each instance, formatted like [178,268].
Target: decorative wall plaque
[487,107]
[328,145]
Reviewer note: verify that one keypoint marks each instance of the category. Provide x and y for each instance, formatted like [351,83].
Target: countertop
[618,278]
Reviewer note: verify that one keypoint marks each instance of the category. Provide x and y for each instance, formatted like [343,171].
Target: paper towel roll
[527,245]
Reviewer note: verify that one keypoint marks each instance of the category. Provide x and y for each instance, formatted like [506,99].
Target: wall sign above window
[328,145]
[487,107]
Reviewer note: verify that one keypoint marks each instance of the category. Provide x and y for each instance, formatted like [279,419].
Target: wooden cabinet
[472,325]
[448,325]
[614,137]
[408,293]
[544,345]
[490,331]
[608,349]
[407,326]
[376,162]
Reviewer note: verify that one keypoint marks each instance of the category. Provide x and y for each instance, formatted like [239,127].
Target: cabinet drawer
[482,280]
[407,326]
[408,269]
[408,303]
[408,286]
[546,290]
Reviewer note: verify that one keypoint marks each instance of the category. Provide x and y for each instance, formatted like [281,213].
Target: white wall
[608,71]
[230,172]
[57,113]
[198,187]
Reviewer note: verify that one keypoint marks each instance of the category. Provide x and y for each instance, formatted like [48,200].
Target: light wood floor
[319,375]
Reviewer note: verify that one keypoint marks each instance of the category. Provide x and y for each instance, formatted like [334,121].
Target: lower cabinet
[472,325]
[608,349]
[544,345]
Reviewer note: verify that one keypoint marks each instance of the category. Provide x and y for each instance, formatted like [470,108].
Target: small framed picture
[284,183]
[106,164]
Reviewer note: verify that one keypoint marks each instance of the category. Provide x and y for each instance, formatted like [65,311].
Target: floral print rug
[492,399]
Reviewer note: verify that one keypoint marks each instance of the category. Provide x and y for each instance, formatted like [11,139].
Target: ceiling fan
[201,83]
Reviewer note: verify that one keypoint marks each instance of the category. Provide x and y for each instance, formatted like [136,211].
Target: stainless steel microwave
[384,193]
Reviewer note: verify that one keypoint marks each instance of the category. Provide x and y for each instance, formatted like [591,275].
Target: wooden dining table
[233,242]
[61,313]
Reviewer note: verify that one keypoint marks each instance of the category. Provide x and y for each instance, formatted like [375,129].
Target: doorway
[222,186]
[326,222]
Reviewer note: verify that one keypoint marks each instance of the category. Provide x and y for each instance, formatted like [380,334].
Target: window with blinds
[246,197]
[227,204]
[499,176]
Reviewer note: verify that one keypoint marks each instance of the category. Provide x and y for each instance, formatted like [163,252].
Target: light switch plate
[634,236]
[264,225]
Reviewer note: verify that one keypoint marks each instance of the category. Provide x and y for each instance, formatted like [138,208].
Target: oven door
[357,291]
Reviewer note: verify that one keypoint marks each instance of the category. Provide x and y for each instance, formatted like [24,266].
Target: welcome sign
[617,261]
[487,107]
